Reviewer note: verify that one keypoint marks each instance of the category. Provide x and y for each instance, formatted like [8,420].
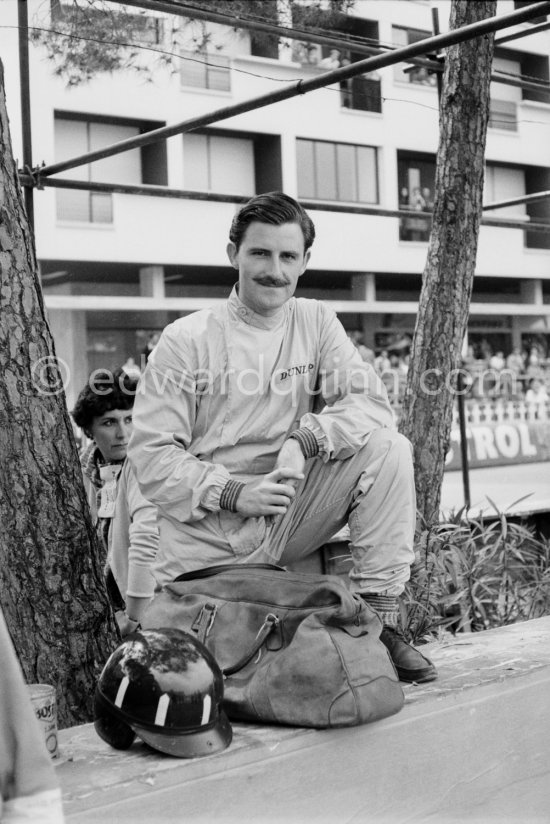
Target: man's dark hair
[275,208]
[103,392]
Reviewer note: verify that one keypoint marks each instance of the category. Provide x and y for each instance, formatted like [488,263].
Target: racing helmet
[166,687]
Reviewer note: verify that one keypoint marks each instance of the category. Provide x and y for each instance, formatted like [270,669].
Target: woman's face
[111,432]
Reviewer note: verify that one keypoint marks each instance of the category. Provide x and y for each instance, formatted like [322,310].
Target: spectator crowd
[522,374]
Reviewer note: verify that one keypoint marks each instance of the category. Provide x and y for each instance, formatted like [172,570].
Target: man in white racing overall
[258,431]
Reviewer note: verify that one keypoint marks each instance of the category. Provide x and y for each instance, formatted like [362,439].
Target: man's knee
[386,454]
[391,443]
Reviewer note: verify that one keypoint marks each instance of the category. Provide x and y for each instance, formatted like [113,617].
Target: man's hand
[292,458]
[270,494]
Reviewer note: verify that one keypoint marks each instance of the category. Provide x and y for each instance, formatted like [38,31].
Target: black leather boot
[411,665]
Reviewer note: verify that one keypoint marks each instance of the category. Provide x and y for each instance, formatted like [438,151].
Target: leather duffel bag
[295,648]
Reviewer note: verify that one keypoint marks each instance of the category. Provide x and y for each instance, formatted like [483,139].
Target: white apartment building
[117,267]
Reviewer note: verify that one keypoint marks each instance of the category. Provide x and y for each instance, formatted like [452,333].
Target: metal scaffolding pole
[501,204]
[185,194]
[528,85]
[25,97]
[304,86]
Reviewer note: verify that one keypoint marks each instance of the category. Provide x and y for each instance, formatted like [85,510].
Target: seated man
[259,431]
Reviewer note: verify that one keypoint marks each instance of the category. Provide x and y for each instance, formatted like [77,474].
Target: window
[148,30]
[519,4]
[337,171]
[140,28]
[504,98]
[218,163]
[406,73]
[537,179]
[205,71]
[361,93]
[532,68]
[77,135]
[325,21]
[261,43]
[503,114]
[416,180]
[510,182]
[504,183]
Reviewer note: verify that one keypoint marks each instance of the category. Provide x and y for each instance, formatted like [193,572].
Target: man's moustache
[267,281]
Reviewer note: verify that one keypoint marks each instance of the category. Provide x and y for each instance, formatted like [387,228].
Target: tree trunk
[51,583]
[450,265]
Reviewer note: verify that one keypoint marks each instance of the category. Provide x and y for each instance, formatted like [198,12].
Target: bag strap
[270,623]
[209,572]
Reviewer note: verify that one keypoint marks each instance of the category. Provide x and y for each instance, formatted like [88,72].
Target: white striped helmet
[166,687]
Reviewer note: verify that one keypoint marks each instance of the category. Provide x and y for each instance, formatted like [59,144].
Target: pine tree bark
[450,266]
[51,584]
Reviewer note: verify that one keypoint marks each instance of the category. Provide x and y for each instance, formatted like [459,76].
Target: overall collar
[238,311]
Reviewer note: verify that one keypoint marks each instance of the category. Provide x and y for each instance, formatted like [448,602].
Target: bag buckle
[270,624]
[204,621]
[271,621]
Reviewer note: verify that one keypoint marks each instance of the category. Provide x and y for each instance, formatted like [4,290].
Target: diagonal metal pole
[501,204]
[304,86]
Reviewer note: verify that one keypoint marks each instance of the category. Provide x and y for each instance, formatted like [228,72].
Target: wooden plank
[470,746]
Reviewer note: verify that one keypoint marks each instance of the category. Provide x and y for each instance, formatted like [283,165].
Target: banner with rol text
[498,444]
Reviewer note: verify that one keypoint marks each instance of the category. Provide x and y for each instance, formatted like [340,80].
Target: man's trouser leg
[374,492]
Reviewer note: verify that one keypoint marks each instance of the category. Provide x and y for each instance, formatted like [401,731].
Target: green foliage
[472,575]
[84,37]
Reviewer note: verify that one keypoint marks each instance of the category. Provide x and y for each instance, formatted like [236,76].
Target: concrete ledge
[472,746]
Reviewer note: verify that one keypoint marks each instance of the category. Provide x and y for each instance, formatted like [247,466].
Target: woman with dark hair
[126,522]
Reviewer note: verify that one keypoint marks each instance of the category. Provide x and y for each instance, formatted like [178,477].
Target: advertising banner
[498,444]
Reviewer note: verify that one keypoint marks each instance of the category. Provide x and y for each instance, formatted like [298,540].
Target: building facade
[117,267]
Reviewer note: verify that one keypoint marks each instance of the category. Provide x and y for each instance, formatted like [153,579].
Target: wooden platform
[473,746]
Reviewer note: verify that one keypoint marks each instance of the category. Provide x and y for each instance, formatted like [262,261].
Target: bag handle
[270,623]
[204,622]
[209,572]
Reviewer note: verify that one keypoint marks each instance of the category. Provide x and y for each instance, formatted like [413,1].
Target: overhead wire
[347,39]
[179,56]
